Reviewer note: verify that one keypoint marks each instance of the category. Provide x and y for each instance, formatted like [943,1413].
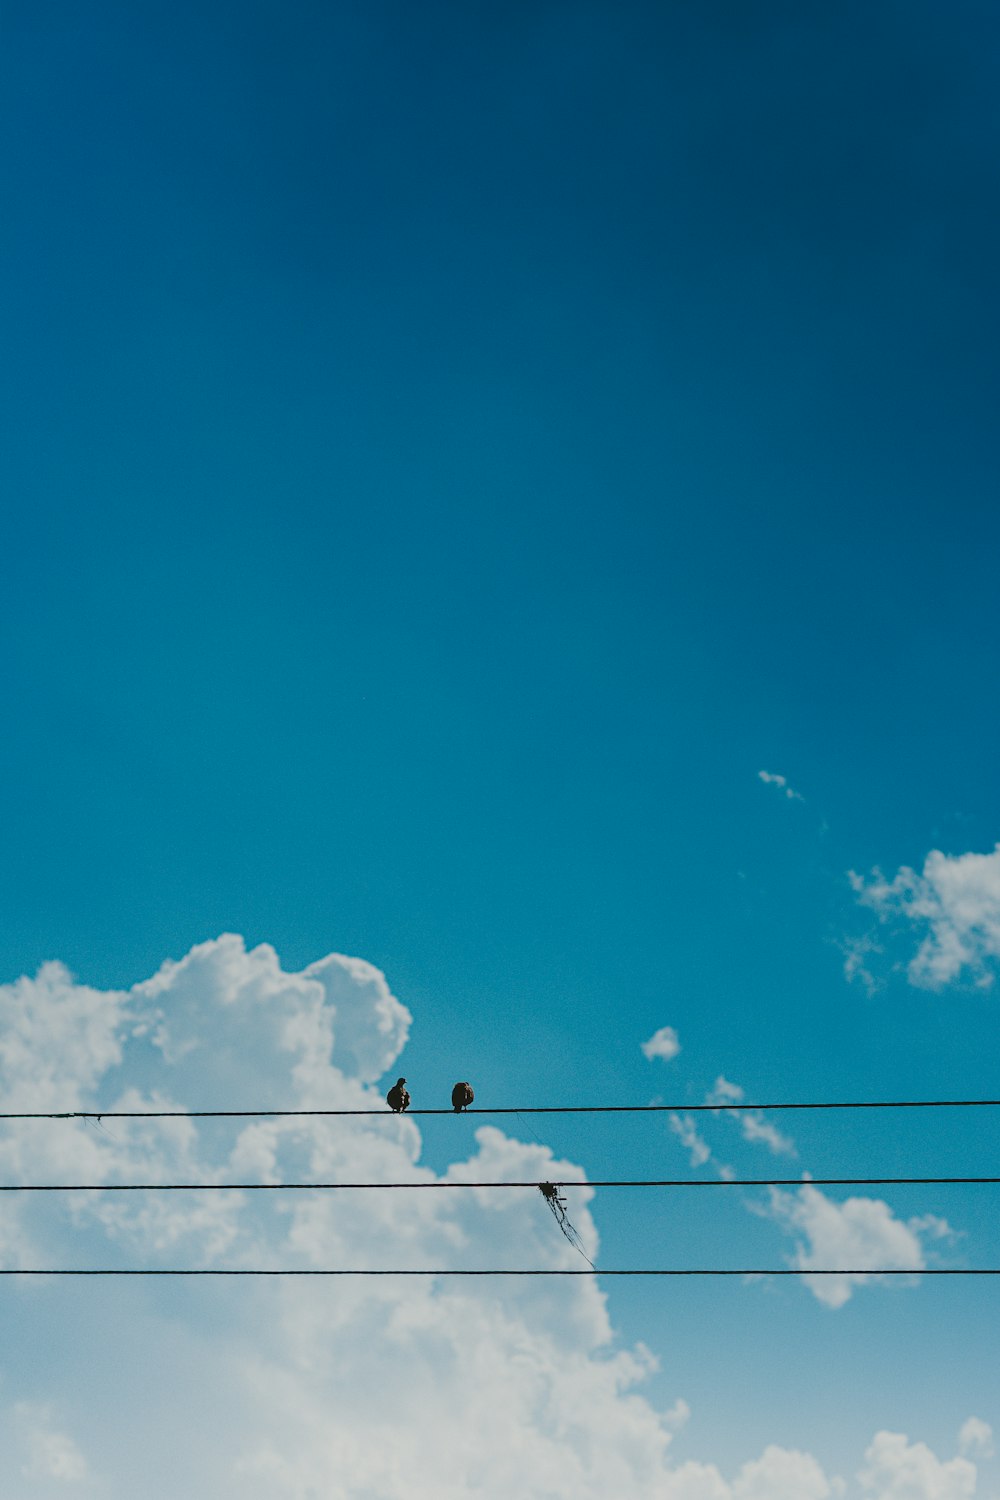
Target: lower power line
[597,1182]
[524,1109]
[699,1271]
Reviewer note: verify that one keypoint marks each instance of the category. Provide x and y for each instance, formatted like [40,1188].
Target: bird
[461,1096]
[398,1097]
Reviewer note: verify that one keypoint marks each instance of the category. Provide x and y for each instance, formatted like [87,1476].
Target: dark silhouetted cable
[368,1271]
[534,1109]
[572,1182]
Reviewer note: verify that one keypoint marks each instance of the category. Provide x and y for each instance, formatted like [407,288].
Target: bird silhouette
[461,1096]
[398,1097]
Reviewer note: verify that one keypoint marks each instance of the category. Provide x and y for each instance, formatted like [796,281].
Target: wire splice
[557,1204]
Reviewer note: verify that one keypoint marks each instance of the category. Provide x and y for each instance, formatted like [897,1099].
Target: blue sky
[449,452]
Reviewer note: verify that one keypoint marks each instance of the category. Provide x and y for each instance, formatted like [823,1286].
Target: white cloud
[896,1469]
[367,1389]
[976,1436]
[663,1044]
[781,1474]
[680,1414]
[759,1131]
[933,1227]
[858,951]
[724,1092]
[357,1388]
[952,906]
[46,1452]
[754,1126]
[57,1039]
[859,1234]
[695,1481]
[686,1132]
[771,778]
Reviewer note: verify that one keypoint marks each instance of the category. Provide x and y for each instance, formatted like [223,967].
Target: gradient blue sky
[449,450]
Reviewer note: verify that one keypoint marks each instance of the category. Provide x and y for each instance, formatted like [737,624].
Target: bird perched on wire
[398,1097]
[461,1096]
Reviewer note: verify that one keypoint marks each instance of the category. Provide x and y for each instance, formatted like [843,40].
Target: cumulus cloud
[976,1436]
[662,1044]
[771,778]
[952,908]
[57,1039]
[896,1469]
[859,1234]
[354,1389]
[781,1474]
[357,1388]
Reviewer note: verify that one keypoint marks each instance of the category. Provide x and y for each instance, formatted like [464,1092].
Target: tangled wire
[551,1194]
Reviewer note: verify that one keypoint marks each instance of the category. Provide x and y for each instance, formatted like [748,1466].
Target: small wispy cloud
[680,1414]
[771,778]
[754,1126]
[975,1437]
[760,1132]
[724,1092]
[857,951]
[686,1132]
[49,1454]
[663,1044]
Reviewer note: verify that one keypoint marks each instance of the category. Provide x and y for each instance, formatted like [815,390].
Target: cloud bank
[367,1389]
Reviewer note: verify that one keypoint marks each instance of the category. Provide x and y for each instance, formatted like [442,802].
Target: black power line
[537,1109]
[614,1182]
[696,1271]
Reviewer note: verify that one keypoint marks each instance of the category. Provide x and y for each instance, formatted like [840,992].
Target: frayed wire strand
[557,1204]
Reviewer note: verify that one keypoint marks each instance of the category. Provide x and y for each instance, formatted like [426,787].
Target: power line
[609,1182]
[367,1271]
[536,1109]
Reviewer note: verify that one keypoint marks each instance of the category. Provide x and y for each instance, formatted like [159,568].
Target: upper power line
[549,1182]
[523,1109]
[557,1271]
